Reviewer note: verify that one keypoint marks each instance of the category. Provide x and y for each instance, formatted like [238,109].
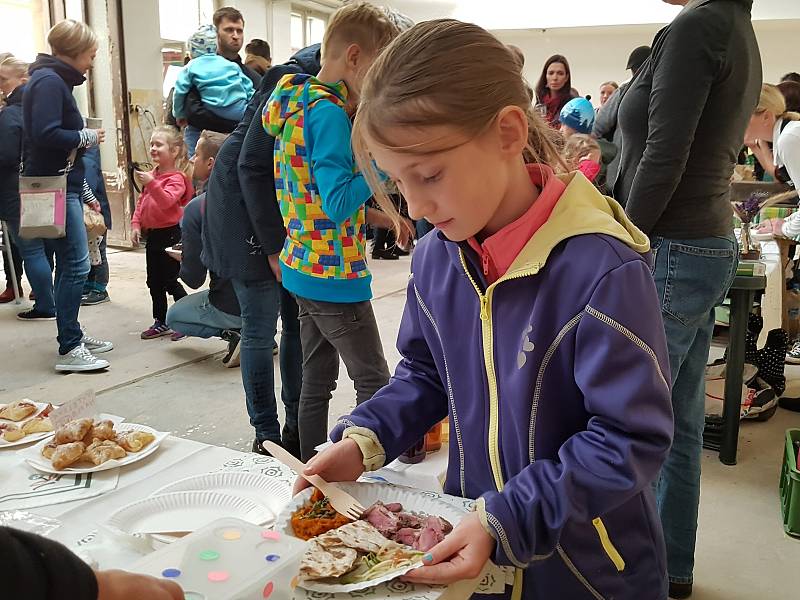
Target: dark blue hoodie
[10,147]
[52,121]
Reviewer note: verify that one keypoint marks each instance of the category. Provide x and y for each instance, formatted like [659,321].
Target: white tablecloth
[80,521]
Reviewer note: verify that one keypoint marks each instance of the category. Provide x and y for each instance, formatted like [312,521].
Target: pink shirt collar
[498,251]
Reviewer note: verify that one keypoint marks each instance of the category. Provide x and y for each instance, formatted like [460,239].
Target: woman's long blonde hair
[442,72]
[773,102]
[175,140]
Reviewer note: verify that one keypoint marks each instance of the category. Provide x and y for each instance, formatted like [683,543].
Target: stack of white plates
[189,504]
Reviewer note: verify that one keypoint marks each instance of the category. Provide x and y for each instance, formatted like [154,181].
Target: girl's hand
[101,135]
[341,462]
[773,226]
[136,237]
[143,177]
[461,555]
[121,585]
[95,206]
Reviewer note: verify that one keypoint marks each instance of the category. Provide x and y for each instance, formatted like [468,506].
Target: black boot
[678,591]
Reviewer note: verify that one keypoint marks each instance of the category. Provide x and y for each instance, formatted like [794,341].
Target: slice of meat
[320,563]
[382,519]
[428,538]
[394,507]
[407,536]
[407,519]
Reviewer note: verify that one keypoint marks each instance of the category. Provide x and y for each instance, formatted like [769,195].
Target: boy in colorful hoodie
[553,369]
[322,197]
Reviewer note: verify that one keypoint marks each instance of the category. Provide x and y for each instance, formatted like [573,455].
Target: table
[742,295]
[178,458]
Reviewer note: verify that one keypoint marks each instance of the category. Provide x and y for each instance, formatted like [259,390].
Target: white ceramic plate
[367,494]
[33,437]
[184,511]
[33,455]
[270,493]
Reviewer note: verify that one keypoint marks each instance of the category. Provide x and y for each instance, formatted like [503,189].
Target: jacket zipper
[608,546]
[449,394]
[488,361]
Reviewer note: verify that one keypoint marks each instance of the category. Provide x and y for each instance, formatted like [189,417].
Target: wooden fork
[340,500]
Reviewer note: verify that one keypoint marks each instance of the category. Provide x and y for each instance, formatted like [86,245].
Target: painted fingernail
[427,558]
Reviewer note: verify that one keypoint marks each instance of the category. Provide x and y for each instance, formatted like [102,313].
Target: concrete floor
[182,387]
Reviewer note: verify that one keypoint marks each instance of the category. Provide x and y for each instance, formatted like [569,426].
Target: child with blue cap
[577,116]
[222,85]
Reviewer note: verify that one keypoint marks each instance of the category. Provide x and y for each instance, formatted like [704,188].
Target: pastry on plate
[101,451]
[37,425]
[74,431]
[16,411]
[100,430]
[12,433]
[67,454]
[134,441]
[49,449]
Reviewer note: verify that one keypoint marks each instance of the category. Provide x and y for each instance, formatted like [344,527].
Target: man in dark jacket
[10,153]
[605,124]
[243,233]
[682,122]
[36,568]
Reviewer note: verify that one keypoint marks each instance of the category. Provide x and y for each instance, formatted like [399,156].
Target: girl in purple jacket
[532,321]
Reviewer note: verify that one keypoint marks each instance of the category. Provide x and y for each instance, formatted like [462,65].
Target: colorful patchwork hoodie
[556,381]
[321,195]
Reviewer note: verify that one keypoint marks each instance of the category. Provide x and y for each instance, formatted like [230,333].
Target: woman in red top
[165,191]
[554,88]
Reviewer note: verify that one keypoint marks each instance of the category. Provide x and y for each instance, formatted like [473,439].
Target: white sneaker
[96,346]
[80,359]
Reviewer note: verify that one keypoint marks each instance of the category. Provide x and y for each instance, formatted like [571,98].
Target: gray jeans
[328,331]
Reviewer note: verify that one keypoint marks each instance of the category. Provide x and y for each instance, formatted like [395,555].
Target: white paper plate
[184,511]
[33,455]
[33,437]
[270,493]
[367,494]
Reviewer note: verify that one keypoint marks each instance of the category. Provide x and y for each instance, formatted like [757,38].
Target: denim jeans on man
[195,316]
[329,330]
[71,266]
[692,277]
[260,301]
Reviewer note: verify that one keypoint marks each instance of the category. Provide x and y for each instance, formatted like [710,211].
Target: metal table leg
[741,301]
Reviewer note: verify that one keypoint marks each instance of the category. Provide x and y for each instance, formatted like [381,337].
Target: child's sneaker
[793,355]
[80,359]
[156,330]
[94,297]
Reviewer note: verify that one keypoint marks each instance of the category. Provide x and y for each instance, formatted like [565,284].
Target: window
[306,28]
[26,25]
[179,19]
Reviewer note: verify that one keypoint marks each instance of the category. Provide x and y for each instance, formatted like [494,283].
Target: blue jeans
[194,315]
[191,135]
[692,277]
[71,266]
[260,302]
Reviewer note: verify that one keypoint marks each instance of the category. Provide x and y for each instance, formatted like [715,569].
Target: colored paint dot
[218,576]
[271,535]
[209,555]
[171,573]
[232,534]
[268,589]
[272,557]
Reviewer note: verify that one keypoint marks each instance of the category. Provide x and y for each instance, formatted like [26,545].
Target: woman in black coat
[13,76]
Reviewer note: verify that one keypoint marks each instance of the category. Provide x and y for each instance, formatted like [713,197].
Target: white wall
[598,54]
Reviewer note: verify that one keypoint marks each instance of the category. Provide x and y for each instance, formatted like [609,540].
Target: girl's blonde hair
[17,66]
[175,140]
[577,146]
[774,102]
[71,38]
[442,72]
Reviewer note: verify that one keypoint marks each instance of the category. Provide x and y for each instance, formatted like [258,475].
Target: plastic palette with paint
[229,559]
